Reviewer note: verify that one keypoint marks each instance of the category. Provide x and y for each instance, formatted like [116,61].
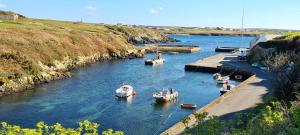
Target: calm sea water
[90,93]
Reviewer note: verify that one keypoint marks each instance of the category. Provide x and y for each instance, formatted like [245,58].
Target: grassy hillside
[26,42]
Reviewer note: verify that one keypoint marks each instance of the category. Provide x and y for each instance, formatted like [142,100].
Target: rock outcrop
[259,52]
[61,70]
[35,51]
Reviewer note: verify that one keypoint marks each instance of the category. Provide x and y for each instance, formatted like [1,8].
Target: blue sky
[201,13]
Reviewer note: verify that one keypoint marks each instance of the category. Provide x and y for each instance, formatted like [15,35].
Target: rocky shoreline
[62,69]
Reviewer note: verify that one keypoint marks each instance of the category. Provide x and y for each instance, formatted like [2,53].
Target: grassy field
[206,31]
[26,42]
[290,36]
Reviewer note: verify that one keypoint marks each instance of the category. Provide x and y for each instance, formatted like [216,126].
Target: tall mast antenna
[242,30]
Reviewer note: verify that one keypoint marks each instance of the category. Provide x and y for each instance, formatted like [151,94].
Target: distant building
[9,15]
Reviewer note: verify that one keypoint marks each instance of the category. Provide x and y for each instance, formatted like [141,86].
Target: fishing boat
[125,91]
[157,60]
[188,106]
[226,87]
[242,52]
[165,95]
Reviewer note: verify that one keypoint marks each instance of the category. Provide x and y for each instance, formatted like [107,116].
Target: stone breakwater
[172,48]
[61,70]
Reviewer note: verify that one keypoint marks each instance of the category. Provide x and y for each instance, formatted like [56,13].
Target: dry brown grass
[34,40]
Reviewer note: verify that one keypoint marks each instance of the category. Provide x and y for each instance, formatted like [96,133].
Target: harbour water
[90,93]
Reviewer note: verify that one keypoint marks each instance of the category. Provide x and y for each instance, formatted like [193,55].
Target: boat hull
[188,106]
[224,79]
[154,62]
[166,98]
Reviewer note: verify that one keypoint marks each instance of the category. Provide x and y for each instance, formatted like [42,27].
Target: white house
[8,15]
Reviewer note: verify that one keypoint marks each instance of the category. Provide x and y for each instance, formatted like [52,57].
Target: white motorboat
[216,76]
[125,91]
[221,79]
[165,95]
[226,87]
[242,53]
[157,60]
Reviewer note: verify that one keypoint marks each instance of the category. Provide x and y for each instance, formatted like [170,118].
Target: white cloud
[156,10]
[2,6]
[91,8]
[93,14]
[153,11]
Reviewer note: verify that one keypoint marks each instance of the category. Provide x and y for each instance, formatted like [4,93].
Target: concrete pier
[242,98]
[228,49]
[225,63]
[173,48]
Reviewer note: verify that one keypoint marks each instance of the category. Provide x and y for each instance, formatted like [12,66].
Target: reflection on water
[164,105]
[90,94]
[127,100]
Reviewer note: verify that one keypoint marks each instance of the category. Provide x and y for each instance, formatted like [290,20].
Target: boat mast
[157,51]
[242,30]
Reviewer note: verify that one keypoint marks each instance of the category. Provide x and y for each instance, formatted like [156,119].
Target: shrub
[290,36]
[3,80]
[86,127]
[268,119]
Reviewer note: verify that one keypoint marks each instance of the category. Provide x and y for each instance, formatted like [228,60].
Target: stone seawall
[61,69]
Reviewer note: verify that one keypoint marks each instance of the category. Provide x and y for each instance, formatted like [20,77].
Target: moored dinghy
[165,95]
[188,106]
[125,91]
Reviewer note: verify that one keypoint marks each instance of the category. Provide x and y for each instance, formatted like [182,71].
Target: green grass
[85,128]
[290,36]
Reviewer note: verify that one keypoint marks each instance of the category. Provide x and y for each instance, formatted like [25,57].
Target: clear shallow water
[90,93]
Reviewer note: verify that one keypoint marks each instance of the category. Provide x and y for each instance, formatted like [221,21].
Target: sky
[279,14]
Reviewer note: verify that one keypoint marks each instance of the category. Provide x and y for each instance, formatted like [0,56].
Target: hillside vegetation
[34,51]
[26,42]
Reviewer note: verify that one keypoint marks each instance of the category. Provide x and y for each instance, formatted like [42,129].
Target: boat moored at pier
[220,79]
[226,87]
